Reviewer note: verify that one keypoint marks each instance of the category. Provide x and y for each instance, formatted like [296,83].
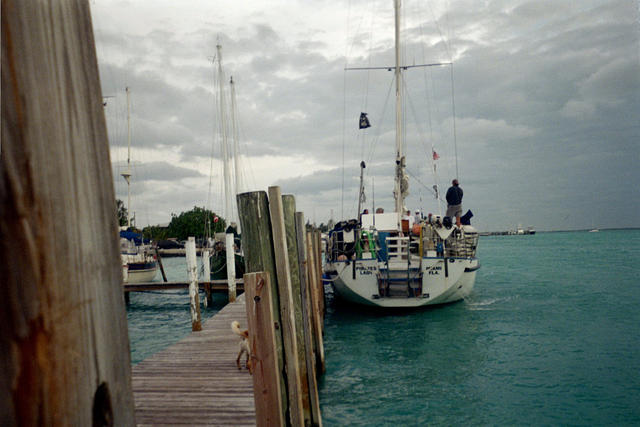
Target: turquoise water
[550,336]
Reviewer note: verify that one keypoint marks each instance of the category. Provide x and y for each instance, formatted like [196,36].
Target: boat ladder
[398,278]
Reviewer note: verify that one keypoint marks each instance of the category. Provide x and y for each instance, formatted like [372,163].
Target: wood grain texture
[289,207]
[316,310]
[287,310]
[310,357]
[262,339]
[63,330]
[195,381]
[194,294]
[255,222]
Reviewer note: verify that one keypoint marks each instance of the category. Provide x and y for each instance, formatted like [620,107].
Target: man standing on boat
[454,201]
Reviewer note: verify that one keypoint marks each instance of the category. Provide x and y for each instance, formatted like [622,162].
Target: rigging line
[217,136]
[213,140]
[426,86]
[417,122]
[243,155]
[344,105]
[426,96]
[435,107]
[453,106]
[248,178]
[369,171]
[349,48]
[367,81]
[421,183]
[444,41]
[378,127]
[344,124]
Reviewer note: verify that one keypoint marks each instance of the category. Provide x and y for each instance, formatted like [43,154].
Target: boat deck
[195,381]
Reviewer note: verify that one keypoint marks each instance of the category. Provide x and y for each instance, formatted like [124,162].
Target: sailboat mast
[127,175]
[225,143]
[234,128]
[399,151]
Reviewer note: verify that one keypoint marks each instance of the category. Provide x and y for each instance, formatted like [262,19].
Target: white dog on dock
[243,345]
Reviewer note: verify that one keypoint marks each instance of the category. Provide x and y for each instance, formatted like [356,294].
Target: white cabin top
[383,221]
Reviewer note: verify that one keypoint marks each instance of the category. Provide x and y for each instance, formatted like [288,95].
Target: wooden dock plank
[195,381]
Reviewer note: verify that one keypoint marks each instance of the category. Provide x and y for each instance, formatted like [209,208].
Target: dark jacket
[454,195]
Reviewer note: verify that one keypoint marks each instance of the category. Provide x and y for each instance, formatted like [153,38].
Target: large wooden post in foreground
[253,209]
[63,329]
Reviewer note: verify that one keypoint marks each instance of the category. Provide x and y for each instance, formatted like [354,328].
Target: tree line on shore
[198,222]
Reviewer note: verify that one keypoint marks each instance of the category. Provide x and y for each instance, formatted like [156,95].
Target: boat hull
[141,272]
[438,284]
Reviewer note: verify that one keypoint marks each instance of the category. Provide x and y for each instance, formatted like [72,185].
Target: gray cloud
[547,97]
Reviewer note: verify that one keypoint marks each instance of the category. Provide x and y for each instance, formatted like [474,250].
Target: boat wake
[487,304]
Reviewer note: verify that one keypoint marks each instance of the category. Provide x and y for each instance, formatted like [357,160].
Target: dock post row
[276,246]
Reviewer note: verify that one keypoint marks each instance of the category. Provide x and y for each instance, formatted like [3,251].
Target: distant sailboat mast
[127,174]
[234,129]
[228,209]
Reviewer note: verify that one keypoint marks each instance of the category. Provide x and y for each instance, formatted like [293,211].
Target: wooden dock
[195,381]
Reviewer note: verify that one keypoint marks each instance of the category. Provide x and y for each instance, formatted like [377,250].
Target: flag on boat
[364,121]
[435,155]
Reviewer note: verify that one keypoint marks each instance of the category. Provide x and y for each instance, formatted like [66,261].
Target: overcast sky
[546,97]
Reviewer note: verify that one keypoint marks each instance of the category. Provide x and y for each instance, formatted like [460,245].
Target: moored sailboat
[380,260]
[139,263]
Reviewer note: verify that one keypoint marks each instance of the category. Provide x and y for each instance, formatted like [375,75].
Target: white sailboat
[139,264]
[380,261]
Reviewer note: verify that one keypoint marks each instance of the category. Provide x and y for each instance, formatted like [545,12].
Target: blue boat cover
[136,237]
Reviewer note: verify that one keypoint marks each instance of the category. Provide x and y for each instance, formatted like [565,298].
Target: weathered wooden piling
[159,258]
[264,358]
[206,273]
[280,246]
[289,208]
[231,266]
[317,300]
[194,294]
[287,310]
[63,329]
[307,323]
[253,209]
[317,250]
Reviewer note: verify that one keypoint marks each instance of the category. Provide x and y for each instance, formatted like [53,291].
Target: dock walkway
[195,381]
